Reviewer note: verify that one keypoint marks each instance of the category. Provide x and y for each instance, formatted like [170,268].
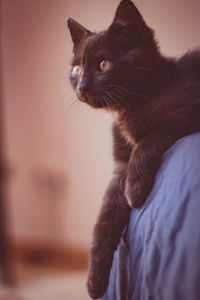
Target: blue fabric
[159,257]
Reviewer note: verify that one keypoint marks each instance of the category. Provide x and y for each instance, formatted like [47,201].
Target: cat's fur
[154,101]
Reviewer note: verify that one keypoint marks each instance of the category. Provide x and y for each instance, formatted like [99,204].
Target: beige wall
[45,140]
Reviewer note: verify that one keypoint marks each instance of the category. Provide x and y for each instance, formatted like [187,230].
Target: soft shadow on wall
[58,155]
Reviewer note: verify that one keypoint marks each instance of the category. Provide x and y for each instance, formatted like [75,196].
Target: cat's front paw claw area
[133,194]
[97,284]
[129,196]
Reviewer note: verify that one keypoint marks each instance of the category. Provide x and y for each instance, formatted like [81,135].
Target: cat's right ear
[128,16]
[78,32]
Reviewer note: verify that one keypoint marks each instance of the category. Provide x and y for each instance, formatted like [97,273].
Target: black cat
[154,101]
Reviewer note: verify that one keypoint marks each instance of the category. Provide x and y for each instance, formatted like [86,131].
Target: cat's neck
[161,78]
[130,119]
[127,125]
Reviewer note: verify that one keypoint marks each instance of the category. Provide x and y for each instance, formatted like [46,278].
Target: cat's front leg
[113,217]
[144,162]
[140,177]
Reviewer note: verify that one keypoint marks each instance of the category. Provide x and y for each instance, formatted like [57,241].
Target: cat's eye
[105,65]
[76,71]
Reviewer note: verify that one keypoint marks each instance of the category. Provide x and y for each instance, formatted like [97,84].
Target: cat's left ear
[78,32]
[128,14]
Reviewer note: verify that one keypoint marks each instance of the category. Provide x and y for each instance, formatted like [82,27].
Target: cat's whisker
[70,108]
[122,88]
[107,95]
[103,97]
[123,96]
[125,90]
[73,104]
[112,97]
[149,70]
[107,102]
[106,99]
[115,96]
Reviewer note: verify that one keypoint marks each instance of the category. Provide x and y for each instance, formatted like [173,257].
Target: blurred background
[56,156]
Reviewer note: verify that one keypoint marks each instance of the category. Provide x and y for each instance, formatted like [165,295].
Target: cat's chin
[93,102]
[82,98]
[97,105]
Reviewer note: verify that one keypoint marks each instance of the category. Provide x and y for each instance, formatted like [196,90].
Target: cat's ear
[78,32]
[127,13]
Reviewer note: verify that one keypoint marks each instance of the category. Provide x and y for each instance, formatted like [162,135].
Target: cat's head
[113,69]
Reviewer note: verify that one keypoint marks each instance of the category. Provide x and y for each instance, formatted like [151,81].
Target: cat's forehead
[89,47]
[102,45]
[106,45]
[96,44]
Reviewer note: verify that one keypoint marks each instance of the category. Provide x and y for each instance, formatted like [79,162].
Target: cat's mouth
[92,101]
[83,97]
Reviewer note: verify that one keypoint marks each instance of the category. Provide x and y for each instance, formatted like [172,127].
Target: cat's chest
[126,127]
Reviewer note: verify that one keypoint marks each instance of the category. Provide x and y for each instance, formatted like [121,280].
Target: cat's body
[154,101]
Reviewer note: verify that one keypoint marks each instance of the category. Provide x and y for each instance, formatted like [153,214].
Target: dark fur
[155,101]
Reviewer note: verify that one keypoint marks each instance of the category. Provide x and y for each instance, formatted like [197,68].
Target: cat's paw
[129,196]
[97,283]
[134,193]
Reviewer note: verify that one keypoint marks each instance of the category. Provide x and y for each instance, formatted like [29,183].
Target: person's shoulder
[186,149]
